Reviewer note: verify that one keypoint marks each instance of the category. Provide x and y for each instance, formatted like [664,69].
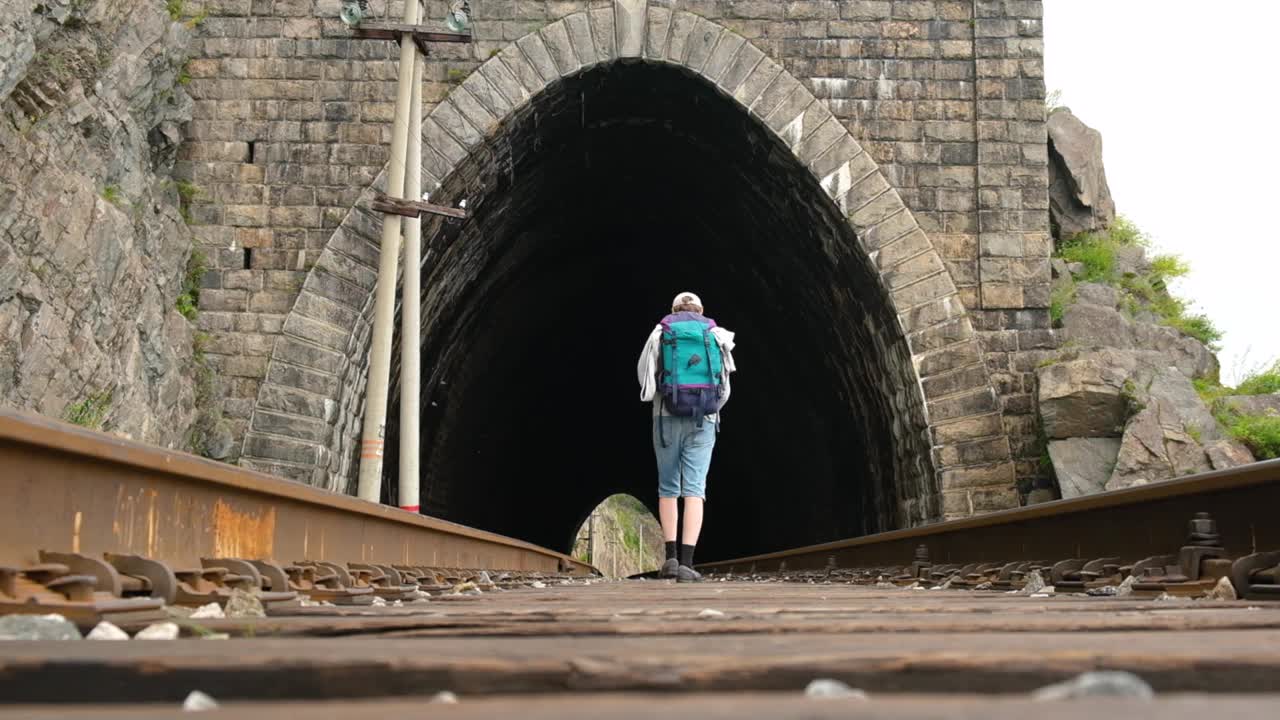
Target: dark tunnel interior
[591,208]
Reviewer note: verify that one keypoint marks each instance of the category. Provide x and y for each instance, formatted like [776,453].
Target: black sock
[686,555]
[671,550]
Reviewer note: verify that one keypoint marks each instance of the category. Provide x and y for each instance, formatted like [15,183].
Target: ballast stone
[38,627]
[1097,684]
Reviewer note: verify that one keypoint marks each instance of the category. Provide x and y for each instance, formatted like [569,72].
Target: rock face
[1117,418]
[1084,397]
[1079,199]
[1089,325]
[1173,434]
[92,243]
[1083,465]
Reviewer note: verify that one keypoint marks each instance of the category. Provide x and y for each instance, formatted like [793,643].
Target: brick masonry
[927,130]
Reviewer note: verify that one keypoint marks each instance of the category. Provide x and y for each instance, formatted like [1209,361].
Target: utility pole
[591,538]
[402,199]
[374,430]
[411,307]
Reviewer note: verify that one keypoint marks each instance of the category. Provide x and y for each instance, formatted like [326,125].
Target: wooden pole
[374,431]
[410,308]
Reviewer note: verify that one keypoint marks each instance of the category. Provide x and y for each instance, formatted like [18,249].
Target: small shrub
[1124,232]
[1197,326]
[1096,253]
[184,76]
[1261,382]
[175,9]
[1260,433]
[1061,298]
[1129,393]
[187,193]
[456,76]
[1210,390]
[91,411]
[188,301]
[112,194]
[198,19]
[1168,267]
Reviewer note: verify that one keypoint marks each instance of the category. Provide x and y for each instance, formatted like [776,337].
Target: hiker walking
[684,370]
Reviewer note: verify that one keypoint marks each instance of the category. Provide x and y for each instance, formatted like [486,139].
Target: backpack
[689,369]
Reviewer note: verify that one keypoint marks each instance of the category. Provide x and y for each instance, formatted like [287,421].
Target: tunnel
[590,208]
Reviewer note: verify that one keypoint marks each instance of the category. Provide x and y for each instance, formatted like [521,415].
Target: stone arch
[306,421]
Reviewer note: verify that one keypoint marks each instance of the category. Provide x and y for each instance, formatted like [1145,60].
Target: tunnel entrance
[620,537]
[591,207]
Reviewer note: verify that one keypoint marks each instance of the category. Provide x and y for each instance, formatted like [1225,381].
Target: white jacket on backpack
[647,368]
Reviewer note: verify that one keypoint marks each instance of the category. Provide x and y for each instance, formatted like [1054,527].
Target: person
[684,371]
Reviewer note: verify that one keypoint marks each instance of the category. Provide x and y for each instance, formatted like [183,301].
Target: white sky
[1186,103]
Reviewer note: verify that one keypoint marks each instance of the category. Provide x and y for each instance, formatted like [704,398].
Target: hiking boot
[688,574]
[669,568]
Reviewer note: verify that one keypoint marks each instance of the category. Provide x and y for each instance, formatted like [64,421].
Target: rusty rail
[1148,530]
[75,503]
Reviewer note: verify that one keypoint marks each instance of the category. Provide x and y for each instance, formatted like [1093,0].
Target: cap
[686,298]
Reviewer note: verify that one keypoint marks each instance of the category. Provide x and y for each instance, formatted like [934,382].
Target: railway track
[95,527]
[365,604]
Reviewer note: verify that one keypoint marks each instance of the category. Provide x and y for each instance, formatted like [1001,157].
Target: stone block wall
[292,122]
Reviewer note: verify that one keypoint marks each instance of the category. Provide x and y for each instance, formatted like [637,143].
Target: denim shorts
[684,462]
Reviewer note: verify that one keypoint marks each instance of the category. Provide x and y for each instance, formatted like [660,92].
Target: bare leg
[692,521]
[667,515]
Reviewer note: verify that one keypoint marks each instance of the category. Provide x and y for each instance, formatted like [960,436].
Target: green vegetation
[1098,255]
[188,301]
[208,411]
[91,411]
[184,75]
[1259,433]
[455,76]
[187,193]
[1060,298]
[111,193]
[1261,382]
[178,11]
[1129,393]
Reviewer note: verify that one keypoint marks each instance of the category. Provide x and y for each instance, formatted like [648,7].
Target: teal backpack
[689,373]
